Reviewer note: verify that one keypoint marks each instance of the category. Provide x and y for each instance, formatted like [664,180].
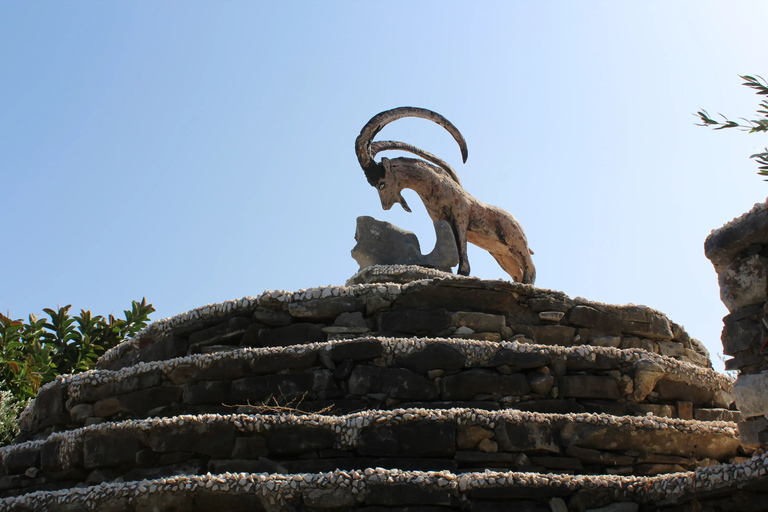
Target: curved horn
[379,121]
[386,145]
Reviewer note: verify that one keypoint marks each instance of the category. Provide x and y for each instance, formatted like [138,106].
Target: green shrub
[36,351]
[10,408]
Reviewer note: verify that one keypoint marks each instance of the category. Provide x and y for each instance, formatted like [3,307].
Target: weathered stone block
[409,439]
[590,456]
[554,335]
[167,347]
[49,456]
[18,460]
[521,360]
[470,383]
[742,335]
[696,357]
[79,412]
[671,348]
[522,437]
[414,321]
[551,316]
[251,336]
[327,308]
[479,322]
[334,498]
[252,447]
[744,360]
[49,405]
[744,282]
[486,297]
[393,382]
[722,246]
[402,495]
[296,334]
[751,394]
[224,369]
[567,463]
[272,318]
[541,383]
[673,390]
[718,415]
[212,439]
[684,410]
[139,402]
[226,333]
[589,386]
[109,448]
[469,436]
[598,321]
[276,361]
[669,442]
[299,439]
[211,392]
[434,355]
[548,303]
[578,362]
[641,343]
[750,430]
[645,322]
[355,319]
[647,374]
[605,341]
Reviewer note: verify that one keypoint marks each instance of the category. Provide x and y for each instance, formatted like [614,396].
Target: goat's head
[379,175]
[389,188]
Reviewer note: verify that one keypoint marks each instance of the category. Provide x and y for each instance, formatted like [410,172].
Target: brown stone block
[470,383]
[409,438]
[645,322]
[673,390]
[597,321]
[554,335]
[589,386]
[685,410]
[324,308]
[414,321]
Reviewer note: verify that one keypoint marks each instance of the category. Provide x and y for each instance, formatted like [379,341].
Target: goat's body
[489,227]
[439,188]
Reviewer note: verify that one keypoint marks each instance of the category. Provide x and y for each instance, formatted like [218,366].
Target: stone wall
[739,253]
[407,389]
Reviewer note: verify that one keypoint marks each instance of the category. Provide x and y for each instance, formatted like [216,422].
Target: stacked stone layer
[739,253]
[465,394]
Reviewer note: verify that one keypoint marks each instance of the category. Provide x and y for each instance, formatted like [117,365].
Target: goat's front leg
[461,242]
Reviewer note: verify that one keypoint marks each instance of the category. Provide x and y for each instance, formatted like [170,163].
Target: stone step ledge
[356,489]
[580,443]
[642,370]
[472,293]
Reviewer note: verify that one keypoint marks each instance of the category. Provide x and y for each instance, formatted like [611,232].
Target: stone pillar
[739,252]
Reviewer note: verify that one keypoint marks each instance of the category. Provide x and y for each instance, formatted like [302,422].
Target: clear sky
[194,152]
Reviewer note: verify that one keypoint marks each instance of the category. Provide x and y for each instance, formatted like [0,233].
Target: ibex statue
[438,185]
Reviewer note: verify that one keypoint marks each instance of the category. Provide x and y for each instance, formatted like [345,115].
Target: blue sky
[194,152]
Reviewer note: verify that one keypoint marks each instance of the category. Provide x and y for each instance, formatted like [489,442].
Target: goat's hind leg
[510,265]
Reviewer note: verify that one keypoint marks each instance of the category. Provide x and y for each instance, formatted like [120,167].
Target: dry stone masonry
[739,252]
[406,389]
